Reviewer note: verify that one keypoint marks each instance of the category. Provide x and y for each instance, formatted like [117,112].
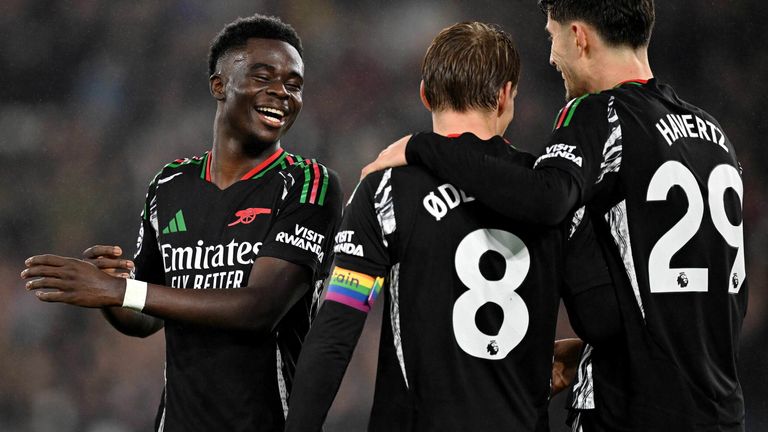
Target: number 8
[481,291]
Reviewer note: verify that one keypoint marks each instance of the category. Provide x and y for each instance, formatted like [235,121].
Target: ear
[506,97]
[581,34]
[216,85]
[423,96]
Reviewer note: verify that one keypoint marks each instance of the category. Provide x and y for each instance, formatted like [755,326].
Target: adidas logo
[177,224]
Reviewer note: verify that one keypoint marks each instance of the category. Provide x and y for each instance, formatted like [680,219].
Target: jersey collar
[259,170]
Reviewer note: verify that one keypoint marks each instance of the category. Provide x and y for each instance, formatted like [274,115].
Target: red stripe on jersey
[563,113]
[208,158]
[290,159]
[316,183]
[262,165]
[641,81]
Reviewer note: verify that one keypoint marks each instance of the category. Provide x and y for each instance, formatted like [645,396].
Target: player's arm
[515,190]
[132,323]
[328,348]
[589,297]
[352,289]
[274,286]
[588,291]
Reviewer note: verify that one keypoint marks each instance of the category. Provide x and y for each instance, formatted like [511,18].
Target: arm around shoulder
[508,185]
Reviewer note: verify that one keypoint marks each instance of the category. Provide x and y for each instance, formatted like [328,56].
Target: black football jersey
[664,184]
[196,236]
[471,301]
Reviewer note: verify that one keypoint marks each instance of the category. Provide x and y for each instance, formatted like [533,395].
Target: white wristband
[135,294]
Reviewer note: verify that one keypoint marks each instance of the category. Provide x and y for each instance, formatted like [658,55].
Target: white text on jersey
[207,257]
[689,126]
[450,198]
[304,238]
[561,150]
[345,245]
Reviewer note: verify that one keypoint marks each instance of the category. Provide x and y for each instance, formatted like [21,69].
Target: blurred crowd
[98,95]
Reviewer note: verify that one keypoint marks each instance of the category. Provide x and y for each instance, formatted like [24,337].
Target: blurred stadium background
[98,95]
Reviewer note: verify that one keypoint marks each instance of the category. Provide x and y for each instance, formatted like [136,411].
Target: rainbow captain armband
[354,289]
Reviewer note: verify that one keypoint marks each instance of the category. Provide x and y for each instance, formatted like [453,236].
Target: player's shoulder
[375,184]
[410,172]
[306,168]
[374,181]
[581,110]
[696,109]
[405,185]
[192,163]
[195,165]
[313,179]
[411,175]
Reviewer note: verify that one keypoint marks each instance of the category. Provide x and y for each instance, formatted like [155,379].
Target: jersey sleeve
[307,217]
[361,243]
[586,142]
[362,257]
[147,259]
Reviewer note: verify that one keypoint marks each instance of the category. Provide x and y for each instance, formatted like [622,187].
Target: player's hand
[72,281]
[107,259]
[567,354]
[390,157]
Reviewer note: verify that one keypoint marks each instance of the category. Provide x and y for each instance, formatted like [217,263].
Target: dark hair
[467,64]
[237,33]
[619,22]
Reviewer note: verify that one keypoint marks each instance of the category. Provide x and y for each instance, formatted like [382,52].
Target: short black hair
[619,22]
[237,33]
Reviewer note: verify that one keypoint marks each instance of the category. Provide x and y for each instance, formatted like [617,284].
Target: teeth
[271,111]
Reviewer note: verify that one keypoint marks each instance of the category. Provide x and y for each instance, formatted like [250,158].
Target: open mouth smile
[271,116]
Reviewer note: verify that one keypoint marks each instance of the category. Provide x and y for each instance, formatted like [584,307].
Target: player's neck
[619,65]
[482,124]
[232,158]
